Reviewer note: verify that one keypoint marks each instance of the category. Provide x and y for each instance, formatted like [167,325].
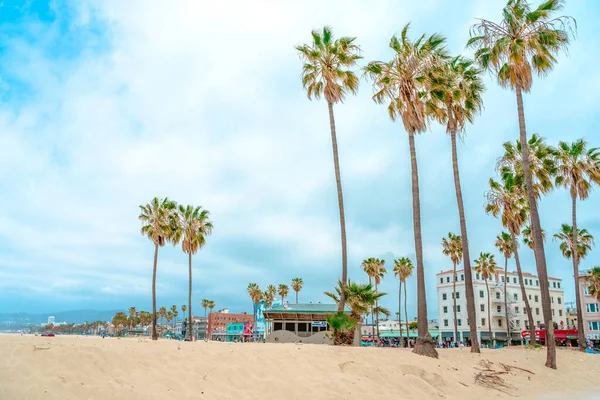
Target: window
[554,285]
[445,310]
[497,295]
[594,325]
[457,308]
[499,308]
[502,278]
[560,313]
[558,299]
[458,322]
[445,322]
[441,280]
[481,294]
[516,310]
[462,277]
[558,284]
[586,291]
[537,311]
[551,299]
[529,297]
[499,322]
[482,307]
[477,276]
[537,283]
[447,279]
[444,296]
[537,300]
[553,312]
[591,307]
[518,322]
[458,295]
[482,321]
[514,280]
[526,324]
[516,296]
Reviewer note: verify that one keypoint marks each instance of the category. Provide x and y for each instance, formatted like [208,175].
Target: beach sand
[71,367]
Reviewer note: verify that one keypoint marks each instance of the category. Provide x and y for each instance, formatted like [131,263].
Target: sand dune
[68,367]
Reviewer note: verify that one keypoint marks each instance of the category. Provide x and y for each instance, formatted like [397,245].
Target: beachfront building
[218,321]
[517,316]
[590,311]
[305,323]
[390,329]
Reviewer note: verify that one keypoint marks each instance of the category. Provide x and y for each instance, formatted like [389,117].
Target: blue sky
[105,105]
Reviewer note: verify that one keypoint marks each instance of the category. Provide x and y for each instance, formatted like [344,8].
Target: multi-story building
[517,316]
[218,321]
[590,311]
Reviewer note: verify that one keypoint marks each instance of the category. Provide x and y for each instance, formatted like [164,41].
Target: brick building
[218,321]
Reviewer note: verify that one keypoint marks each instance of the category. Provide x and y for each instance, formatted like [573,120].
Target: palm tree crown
[158,220]
[578,167]
[504,244]
[326,66]
[403,268]
[283,291]
[585,241]
[593,281]
[452,247]
[507,200]
[193,227]
[406,80]
[485,265]
[360,297]
[297,284]
[525,41]
[528,236]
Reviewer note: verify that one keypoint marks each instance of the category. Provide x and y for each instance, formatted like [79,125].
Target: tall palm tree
[194,226]
[583,242]
[272,291]
[283,291]
[327,71]
[528,236]
[593,282]
[158,225]
[168,317]
[380,271]
[297,284]
[404,82]
[256,296]
[368,266]
[175,314]
[526,40]
[404,266]
[452,247]
[204,305]
[163,313]
[458,86]
[504,245]
[132,315]
[578,170]
[486,266]
[211,305]
[507,200]
[269,297]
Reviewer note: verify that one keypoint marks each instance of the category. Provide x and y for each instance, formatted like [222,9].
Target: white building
[51,320]
[516,306]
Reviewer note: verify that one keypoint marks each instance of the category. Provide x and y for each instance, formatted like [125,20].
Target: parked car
[48,334]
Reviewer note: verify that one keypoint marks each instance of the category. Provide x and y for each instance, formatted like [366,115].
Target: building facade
[590,311]
[218,321]
[517,315]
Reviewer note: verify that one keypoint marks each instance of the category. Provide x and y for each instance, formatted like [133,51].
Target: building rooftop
[499,271]
[311,308]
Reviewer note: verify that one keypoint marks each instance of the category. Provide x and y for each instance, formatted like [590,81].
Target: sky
[107,104]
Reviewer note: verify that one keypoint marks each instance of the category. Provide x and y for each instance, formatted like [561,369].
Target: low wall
[290,337]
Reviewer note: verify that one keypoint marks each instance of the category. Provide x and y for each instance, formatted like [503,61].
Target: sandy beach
[70,367]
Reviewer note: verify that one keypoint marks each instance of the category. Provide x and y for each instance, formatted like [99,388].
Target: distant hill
[74,316]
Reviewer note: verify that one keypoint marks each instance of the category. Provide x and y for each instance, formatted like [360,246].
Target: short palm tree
[268,297]
[168,317]
[593,282]
[297,284]
[452,247]
[403,268]
[163,313]
[194,225]
[283,291]
[271,291]
[132,315]
[405,83]
[504,245]
[204,305]
[457,87]
[327,71]
[175,314]
[159,225]
[578,170]
[506,199]
[256,295]
[183,310]
[583,242]
[525,41]
[486,266]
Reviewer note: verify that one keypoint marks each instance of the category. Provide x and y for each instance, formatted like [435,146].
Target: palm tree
[283,291]
[526,40]
[269,297]
[159,225]
[297,284]
[175,314]
[593,282]
[183,309]
[528,236]
[168,317]
[162,312]
[507,201]
[272,291]
[405,83]
[486,266]
[578,169]
[326,72]
[368,267]
[132,314]
[204,305]
[452,247]
[583,241]
[457,86]
[403,268]
[256,296]
[193,227]
[211,305]
[504,245]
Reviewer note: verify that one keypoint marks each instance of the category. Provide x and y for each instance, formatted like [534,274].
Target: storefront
[563,337]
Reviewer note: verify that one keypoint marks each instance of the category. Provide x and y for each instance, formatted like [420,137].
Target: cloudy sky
[106,104]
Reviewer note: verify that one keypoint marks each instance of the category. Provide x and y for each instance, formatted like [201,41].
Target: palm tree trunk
[154,333]
[540,257]
[508,338]
[523,292]
[575,257]
[190,294]
[469,293]
[406,317]
[338,180]
[400,312]
[377,308]
[424,344]
[372,316]
[489,314]
[454,298]
[296,297]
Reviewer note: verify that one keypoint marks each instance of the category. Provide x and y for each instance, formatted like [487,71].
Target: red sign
[558,333]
